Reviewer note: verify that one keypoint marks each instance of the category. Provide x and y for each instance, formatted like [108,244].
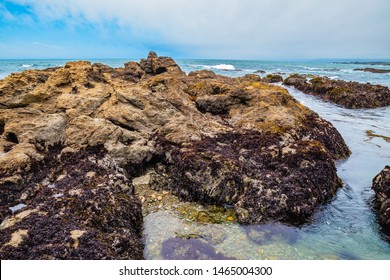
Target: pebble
[142,199]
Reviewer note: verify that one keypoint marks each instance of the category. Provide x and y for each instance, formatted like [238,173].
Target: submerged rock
[381,187]
[233,142]
[351,95]
[268,233]
[189,249]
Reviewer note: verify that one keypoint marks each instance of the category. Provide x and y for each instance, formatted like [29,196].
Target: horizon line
[232,59]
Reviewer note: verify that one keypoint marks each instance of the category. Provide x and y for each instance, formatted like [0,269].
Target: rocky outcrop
[73,138]
[372,70]
[381,187]
[351,95]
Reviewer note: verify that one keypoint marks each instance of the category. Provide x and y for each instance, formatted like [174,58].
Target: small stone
[77,192]
[62,177]
[76,234]
[90,174]
[159,198]
[165,192]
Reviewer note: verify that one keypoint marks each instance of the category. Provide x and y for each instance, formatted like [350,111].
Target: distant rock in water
[352,95]
[189,249]
[259,72]
[381,187]
[384,63]
[272,78]
[372,70]
[73,138]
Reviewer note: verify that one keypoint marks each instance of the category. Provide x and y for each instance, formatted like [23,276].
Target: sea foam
[224,67]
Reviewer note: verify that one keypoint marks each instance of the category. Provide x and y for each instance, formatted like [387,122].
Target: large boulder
[72,138]
[351,95]
[381,187]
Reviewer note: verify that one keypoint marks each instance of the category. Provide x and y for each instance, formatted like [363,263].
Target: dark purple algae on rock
[381,187]
[261,175]
[76,208]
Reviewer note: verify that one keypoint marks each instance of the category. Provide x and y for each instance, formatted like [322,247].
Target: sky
[223,29]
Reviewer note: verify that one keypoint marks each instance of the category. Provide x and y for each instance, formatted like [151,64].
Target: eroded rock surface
[381,187]
[69,134]
[351,95]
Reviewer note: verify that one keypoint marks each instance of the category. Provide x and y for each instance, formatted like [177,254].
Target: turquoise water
[345,228]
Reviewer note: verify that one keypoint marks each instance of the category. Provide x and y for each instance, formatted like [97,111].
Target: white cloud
[241,28]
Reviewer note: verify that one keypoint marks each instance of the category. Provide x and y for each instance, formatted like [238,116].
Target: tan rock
[17,238]
[11,221]
[75,235]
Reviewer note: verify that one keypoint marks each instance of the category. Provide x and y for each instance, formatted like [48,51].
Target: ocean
[346,227]
[343,70]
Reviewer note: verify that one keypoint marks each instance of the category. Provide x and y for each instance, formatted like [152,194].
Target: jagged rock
[351,95]
[155,65]
[381,187]
[208,138]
